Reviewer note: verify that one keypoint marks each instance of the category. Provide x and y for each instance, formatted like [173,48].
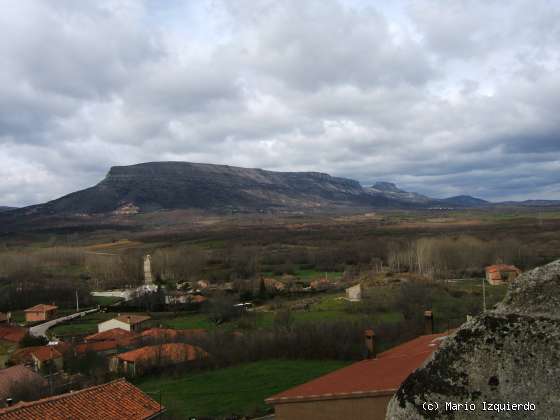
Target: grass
[306,275]
[5,350]
[315,274]
[105,300]
[189,321]
[79,326]
[237,390]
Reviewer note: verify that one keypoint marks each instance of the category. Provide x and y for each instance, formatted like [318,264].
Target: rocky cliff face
[509,355]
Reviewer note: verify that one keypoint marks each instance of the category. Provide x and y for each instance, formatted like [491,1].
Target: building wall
[354,293]
[367,408]
[112,323]
[38,316]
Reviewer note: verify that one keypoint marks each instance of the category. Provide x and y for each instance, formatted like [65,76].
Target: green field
[5,350]
[79,326]
[189,321]
[105,300]
[234,390]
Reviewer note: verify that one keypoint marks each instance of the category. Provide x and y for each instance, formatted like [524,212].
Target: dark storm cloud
[442,98]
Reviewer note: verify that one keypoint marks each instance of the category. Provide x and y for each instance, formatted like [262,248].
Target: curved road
[41,329]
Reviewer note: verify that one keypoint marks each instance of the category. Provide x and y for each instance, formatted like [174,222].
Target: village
[147,331]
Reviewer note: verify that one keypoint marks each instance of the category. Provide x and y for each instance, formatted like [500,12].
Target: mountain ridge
[154,186]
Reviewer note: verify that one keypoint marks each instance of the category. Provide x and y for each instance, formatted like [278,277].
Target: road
[41,329]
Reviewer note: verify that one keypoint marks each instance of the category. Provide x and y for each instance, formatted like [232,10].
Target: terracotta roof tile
[96,346]
[117,400]
[172,334]
[132,319]
[171,352]
[12,333]
[41,308]
[502,267]
[122,337]
[382,375]
[21,375]
[42,353]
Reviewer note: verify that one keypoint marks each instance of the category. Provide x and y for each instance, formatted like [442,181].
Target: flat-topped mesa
[182,185]
[510,354]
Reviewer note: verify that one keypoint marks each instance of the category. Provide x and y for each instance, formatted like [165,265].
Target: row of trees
[460,256]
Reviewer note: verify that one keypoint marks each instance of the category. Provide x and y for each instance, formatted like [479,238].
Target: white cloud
[444,98]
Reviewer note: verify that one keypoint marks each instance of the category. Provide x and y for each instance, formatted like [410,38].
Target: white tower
[148,279]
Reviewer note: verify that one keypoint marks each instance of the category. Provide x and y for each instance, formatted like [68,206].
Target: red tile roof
[132,319]
[171,352]
[62,346]
[172,334]
[41,308]
[117,400]
[18,374]
[199,299]
[380,376]
[42,353]
[119,335]
[12,333]
[96,346]
[496,268]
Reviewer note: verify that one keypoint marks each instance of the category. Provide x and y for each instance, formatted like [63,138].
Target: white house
[354,293]
[131,323]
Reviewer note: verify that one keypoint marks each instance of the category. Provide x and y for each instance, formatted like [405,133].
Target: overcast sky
[441,97]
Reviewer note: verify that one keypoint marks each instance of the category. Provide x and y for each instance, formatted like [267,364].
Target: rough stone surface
[510,354]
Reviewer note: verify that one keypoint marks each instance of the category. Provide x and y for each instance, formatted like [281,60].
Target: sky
[441,97]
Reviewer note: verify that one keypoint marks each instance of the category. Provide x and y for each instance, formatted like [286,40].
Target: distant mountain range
[6,208]
[154,186]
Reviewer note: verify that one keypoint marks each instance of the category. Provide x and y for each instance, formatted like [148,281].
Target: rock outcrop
[507,356]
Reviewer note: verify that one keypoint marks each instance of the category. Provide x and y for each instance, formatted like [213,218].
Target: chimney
[428,322]
[370,343]
[9,402]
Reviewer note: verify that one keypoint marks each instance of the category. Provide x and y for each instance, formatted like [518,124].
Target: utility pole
[77,302]
[484,294]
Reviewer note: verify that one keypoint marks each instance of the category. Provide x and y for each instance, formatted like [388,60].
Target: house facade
[40,313]
[354,293]
[130,323]
[39,358]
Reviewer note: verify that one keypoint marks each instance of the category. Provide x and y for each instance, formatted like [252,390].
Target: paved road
[41,329]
